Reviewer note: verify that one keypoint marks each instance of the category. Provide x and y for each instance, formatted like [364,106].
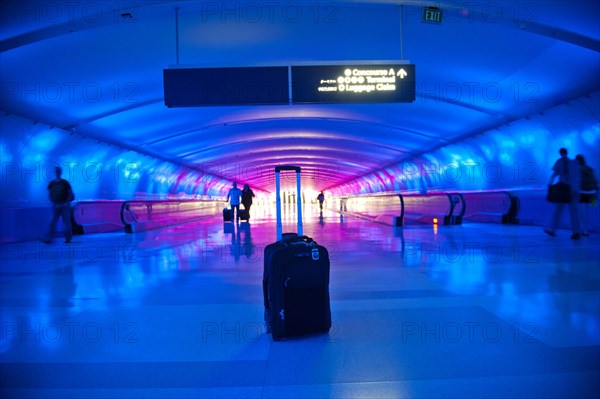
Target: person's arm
[552,177]
[70,193]
[50,190]
[555,170]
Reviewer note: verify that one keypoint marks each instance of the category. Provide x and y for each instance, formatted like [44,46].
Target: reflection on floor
[421,312]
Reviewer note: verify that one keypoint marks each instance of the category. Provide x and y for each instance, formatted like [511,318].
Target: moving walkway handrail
[97,216]
[137,215]
[389,212]
[452,212]
[449,207]
[500,206]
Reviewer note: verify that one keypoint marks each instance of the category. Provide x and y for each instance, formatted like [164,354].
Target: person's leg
[66,218]
[558,209]
[235,212]
[583,209]
[52,227]
[574,215]
[585,228]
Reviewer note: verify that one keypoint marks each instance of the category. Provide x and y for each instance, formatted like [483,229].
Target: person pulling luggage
[234,198]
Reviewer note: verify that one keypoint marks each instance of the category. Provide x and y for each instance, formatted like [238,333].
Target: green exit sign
[432,14]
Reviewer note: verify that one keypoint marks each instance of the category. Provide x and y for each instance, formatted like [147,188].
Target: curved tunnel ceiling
[96,70]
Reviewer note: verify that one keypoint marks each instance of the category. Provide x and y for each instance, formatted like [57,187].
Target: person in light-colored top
[235,197]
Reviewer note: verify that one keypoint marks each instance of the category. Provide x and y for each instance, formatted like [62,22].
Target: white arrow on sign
[402,73]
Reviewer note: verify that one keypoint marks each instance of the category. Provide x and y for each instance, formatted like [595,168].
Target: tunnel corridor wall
[29,152]
[516,156]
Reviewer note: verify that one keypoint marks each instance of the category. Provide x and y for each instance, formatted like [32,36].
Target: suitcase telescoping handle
[278,169]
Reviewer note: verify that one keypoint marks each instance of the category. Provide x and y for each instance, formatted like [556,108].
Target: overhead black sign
[189,87]
[389,83]
[353,83]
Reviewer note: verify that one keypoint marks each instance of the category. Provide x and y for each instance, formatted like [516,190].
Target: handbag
[559,193]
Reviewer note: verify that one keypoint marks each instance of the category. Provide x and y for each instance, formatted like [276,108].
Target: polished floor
[471,311]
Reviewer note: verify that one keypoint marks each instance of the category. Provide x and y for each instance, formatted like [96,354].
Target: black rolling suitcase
[244,215]
[295,279]
[227,214]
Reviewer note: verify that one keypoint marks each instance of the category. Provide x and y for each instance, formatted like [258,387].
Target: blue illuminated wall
[516,156]
[29,152]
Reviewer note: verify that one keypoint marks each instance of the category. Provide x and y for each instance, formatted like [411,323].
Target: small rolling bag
[295,279]
[227,214]
[244,215]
